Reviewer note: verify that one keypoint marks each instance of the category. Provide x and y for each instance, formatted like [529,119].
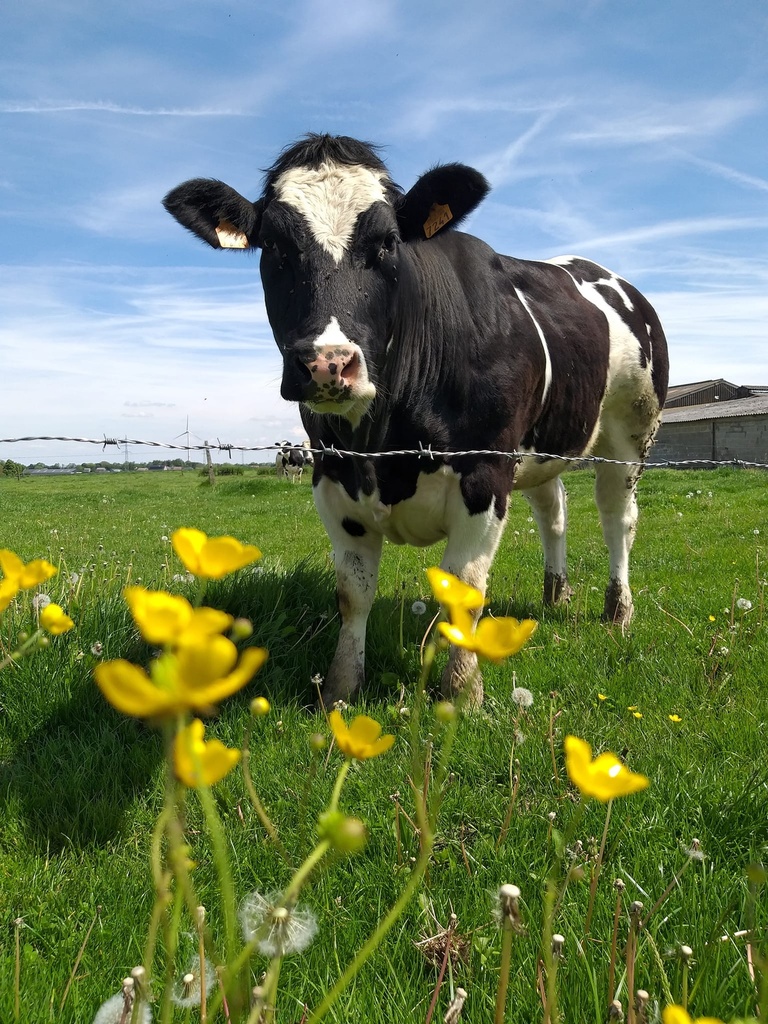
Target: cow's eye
[390,243]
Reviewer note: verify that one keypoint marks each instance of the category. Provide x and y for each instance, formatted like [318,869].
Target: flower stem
[426,837]
[596,871]
[221,860]
[26,648]
[340,779]
[378,935]
[264,818]
[504,970]
[291,893]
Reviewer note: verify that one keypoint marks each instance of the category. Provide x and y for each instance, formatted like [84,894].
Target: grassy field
[82,785]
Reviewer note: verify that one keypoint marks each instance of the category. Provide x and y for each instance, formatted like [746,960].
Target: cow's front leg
[471,546]
[356,556]
[549,507]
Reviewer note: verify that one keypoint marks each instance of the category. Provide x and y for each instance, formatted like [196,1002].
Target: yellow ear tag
[230,237]
[438,217]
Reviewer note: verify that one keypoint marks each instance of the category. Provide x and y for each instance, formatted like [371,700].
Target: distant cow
[294,461]
[291,460]
[397,331]
[284,446]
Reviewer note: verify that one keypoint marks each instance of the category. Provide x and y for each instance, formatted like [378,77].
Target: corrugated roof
[678,390]
[755,406]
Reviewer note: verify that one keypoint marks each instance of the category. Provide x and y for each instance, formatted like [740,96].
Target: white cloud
[105,107]
[684,228]
[657,121]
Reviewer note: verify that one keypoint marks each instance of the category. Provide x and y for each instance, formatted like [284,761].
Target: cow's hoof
[557,590]
[618,607]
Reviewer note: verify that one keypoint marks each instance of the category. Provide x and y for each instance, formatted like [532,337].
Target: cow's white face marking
[330,198]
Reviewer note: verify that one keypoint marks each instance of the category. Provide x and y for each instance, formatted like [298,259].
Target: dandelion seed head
[522,697]
[112,1012]
[40,601]
[742,603]
[418,608]
[694,851]
[188,990]
[276,930]
[97,648]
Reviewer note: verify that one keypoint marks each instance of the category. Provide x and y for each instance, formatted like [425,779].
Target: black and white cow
[397,331]
[294,461]
[283,449]
[291,460]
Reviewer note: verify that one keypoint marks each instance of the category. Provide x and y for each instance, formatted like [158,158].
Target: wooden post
[209,463]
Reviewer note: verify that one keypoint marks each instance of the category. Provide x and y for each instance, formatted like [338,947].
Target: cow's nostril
[304,371]
[349,372]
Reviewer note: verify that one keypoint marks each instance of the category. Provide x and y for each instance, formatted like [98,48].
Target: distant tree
[12,468]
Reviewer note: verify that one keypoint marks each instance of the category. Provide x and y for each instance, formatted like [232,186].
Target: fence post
[209,463]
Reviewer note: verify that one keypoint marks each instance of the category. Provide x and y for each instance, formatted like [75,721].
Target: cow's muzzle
[327,375]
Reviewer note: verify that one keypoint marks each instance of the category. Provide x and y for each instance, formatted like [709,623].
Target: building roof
[757,405]
[679,390]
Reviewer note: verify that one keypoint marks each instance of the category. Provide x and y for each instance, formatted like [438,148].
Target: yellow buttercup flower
[196,677]
[604,778]
[452,593]
[18,576]
[674,718]
[677,1015]
[494,639]
[8,590]
[211,557]
[168,619]
[198,763]
[55,620]
[362,739]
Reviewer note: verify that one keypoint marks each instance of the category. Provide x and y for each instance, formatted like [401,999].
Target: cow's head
[331,225]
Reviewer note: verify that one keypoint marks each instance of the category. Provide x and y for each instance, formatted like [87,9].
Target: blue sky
[634,133]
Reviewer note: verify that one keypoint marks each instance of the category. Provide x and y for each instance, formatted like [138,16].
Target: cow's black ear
[216,213]
[440,200]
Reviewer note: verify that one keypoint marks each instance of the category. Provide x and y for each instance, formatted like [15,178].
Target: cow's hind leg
[548,503]
[469,553]
[616,497]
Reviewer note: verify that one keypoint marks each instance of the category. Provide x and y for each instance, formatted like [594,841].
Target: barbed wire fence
[422,452]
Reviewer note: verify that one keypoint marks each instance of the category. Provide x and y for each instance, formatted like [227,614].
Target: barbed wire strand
[421,452]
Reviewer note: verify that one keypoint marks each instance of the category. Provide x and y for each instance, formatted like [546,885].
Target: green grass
[81,785]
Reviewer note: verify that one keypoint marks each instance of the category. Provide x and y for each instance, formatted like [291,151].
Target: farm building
[714,420]
[704,392]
